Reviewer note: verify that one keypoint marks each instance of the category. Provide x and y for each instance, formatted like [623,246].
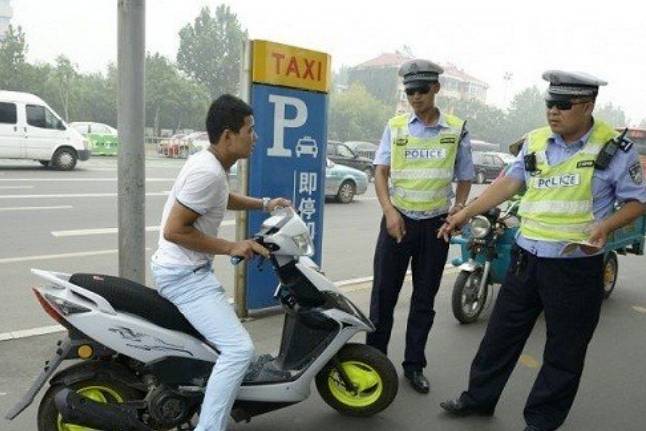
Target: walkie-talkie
[530,162]
[609,150]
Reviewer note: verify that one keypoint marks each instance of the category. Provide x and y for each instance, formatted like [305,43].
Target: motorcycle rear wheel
[372,374]
[467,301]
[99,390]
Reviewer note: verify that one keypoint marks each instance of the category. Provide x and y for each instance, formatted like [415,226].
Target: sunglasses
[421,90]
[562,105]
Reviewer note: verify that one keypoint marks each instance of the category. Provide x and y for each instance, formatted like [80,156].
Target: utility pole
[131,159]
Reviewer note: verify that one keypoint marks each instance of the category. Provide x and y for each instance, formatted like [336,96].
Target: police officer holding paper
[574,171]
[421,153]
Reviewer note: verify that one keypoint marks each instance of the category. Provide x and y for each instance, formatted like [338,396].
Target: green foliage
[381,83]
[210,50]
[611,114]
[172,100]
[12,59]
[356,115]
[483,121]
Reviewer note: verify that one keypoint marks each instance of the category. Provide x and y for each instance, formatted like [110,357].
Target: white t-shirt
[201,186]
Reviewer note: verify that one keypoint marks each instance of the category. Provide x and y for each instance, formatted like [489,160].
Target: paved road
[611,395]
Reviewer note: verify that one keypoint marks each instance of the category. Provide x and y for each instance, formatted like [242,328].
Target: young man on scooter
[574,172]
[188,240]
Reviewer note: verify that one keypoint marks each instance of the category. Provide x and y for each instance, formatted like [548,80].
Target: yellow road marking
[529,361]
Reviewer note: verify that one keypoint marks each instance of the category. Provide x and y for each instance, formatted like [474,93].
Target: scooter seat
[134,298]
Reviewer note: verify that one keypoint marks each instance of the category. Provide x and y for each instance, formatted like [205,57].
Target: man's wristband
[265,204]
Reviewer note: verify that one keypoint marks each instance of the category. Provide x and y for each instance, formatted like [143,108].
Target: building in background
[5,17]
[379,76]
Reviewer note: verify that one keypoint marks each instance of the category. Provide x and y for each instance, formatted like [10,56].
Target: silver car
[343,182]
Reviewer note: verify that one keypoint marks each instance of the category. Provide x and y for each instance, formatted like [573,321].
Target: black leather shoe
[457,407]
[418,381]
[532,428]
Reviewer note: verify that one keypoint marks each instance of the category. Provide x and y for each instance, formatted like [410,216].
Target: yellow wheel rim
[100,394]
[367,381]
[609,275]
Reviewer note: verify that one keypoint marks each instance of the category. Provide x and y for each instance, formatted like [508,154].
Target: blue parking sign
[288,161]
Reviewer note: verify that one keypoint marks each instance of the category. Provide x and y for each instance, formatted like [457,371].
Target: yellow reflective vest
[421,169]
[557,205]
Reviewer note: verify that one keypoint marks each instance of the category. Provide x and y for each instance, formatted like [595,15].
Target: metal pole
[240,293]
[130,118]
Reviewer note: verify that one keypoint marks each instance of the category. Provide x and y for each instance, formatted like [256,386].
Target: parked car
[342,183]
[478,145]
[197,141]
[167,146]
[30,129]
[488,164]
[341,154]
[103,139]
[363,149]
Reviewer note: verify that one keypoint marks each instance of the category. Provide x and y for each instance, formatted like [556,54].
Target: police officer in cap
[421,153]
[574,170]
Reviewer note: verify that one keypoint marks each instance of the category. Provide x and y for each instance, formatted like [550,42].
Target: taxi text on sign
[289,100]
[289,66]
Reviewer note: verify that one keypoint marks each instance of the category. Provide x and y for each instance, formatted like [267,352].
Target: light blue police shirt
[613,184]
[463,170]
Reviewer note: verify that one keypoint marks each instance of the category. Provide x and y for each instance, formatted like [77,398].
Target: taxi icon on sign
[307,146]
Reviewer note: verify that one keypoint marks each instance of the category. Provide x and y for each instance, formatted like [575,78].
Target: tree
[210,50]
[484,122]
[12,59]
[63,79]
[611,114]
[172,100]
[526,112]
[357,115]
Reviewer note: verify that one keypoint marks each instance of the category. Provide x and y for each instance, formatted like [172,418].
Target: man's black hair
[226,112]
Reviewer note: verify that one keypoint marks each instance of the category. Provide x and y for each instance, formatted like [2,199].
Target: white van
[30,129]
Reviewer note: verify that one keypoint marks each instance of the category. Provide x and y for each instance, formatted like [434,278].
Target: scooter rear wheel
[372,374]
[99,390]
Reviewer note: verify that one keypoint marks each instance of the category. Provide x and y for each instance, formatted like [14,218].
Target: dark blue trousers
[427,256]
[570,293]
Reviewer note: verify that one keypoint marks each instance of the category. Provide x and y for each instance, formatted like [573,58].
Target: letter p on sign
[281,122]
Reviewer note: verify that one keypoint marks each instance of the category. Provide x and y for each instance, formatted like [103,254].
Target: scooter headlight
[304,244]
[480,227]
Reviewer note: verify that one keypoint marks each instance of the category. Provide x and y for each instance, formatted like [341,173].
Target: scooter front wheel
[468,300]
[371,374]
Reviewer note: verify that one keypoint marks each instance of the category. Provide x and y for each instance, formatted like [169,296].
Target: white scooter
[144,367]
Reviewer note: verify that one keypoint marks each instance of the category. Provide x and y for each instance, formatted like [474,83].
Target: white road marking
[60,256]
[639,309]
[114,230]
[75,195]
[15,187]
[80,180]
[60,207]
[57,256]
[13,335]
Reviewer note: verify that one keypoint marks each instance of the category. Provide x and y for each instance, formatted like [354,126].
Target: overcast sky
[485,38]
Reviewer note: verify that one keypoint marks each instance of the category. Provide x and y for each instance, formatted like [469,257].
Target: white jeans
[201,299]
